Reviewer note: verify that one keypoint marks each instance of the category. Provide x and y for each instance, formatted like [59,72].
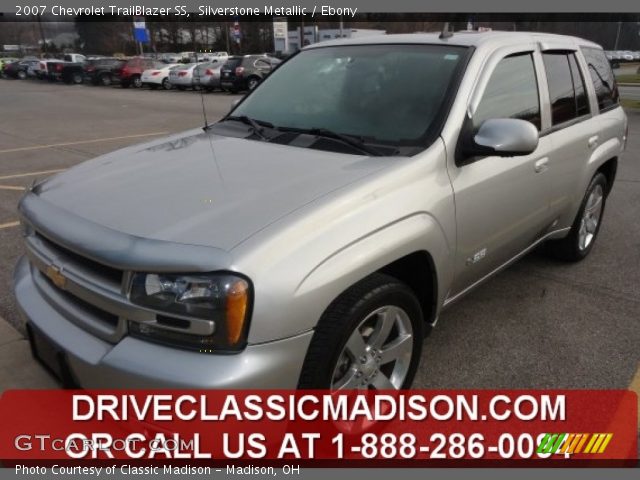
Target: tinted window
[390,94]
[602,77]
[232,63]
[512,92]
[582,101]
[561,91]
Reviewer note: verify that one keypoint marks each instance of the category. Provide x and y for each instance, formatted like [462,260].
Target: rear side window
[602,77]
[566,87]
[512,92]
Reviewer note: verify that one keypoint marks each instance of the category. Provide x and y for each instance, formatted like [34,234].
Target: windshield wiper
[256,125]
[352,141]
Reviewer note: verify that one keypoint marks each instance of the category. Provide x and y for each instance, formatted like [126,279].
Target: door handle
[593,141]
[541,165]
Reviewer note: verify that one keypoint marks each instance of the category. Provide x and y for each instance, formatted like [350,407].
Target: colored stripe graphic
[572,443]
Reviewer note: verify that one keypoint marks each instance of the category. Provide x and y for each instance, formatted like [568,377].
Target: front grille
[85,308]
[109,274]
[88,293]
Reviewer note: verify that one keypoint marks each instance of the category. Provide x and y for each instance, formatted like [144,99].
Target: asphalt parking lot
[539,324]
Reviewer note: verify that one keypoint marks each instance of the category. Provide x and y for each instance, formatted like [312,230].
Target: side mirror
[505,137]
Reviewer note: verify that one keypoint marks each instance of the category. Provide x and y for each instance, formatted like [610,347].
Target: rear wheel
[369,338]
[165,84]
[136,81]
[582,236]
[253,83]
[77,78]
[22,75]
[105,80]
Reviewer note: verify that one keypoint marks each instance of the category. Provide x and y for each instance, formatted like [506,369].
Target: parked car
[158,76]
[74,58]
[207,76]
[67,72]
[246,72]
[19,69]
[170,57]
[6,61]
[101,71]
[130,74]
[182,77]
[213,57]
[313,235]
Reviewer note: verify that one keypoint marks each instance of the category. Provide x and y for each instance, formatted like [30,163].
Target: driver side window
[512,92]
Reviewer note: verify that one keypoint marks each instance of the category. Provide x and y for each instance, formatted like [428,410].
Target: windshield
[387,94]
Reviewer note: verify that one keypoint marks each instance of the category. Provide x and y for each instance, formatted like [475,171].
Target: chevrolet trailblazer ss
[311,237]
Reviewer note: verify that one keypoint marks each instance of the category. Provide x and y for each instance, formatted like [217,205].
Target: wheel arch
[418,271]
[609,170]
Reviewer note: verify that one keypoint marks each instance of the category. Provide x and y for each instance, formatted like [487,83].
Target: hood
[201,189]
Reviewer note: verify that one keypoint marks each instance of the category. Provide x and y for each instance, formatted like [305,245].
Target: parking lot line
[9,225]
[11,187]
[32,174]
[81,142]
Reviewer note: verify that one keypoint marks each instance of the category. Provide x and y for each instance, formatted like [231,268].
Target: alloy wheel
[377,355]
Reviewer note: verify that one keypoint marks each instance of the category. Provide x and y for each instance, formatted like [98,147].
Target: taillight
[239,71]
[59,67]
[43,66]
[182,74]
[208,71]
[124,72]
[90,68]
[153,74]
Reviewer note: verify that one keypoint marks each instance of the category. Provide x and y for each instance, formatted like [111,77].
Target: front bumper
[133,363]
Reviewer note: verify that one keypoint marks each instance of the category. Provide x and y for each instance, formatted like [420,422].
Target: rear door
[572,128]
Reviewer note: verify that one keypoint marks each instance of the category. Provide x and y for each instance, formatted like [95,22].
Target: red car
[131,72]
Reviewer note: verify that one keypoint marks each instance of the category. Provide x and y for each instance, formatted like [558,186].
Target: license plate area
[50,356]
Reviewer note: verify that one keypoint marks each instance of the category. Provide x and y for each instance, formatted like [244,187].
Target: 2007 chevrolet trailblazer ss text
[311,237]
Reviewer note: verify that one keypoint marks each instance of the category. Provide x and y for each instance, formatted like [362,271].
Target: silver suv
[313,236]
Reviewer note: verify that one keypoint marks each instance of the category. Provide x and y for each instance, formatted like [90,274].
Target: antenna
[446,33]
[204,110]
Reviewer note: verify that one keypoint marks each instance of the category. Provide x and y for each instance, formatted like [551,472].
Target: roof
[464,38]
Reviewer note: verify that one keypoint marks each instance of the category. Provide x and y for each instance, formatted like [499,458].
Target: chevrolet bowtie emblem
[55,275]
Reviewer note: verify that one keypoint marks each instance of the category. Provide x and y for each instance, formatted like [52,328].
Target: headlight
[205,312]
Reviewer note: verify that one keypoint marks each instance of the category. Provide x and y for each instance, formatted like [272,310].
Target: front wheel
[77,78]
[579,242]
[22,75]
[369,338]
[137,81]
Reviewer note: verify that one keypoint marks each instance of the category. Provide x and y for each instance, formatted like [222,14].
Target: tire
[252,83]
[136,81]
[165,84]
[346,350]
[105,80]
[77,78]
[584,231]
[22,75]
